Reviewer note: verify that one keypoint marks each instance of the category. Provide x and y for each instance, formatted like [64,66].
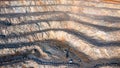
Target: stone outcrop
[88,29]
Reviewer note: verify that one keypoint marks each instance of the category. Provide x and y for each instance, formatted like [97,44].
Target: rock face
[86,31]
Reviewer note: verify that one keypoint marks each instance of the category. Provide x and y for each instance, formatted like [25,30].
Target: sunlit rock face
[88,29]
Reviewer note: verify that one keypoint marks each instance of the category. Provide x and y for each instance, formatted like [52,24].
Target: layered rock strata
[89,30]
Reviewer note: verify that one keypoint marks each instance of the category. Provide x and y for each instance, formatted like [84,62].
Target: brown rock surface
[88,29]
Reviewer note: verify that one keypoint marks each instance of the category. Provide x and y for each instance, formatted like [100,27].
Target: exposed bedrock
[86,32]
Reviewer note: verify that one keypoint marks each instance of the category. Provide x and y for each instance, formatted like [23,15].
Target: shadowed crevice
[94,63]
[110,19]
[5,23]
[106,62]
[66,17]
[80,35]
[66,5]
[13,15]
[100,27]
[55,43]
